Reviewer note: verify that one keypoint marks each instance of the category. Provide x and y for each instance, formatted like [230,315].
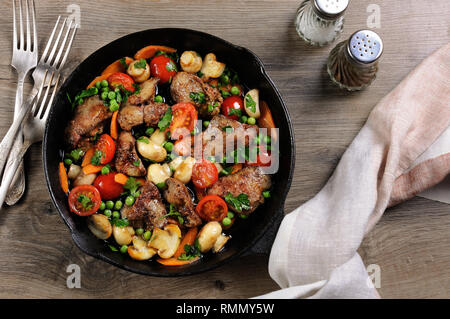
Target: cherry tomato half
[84,200]
[263,158]
[107,186]
[233,107]
[119,79]
[212,208]
[107,146]
[163,67]
[204,174]
[184,118]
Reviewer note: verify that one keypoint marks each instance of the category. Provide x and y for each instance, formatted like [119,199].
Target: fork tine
[27,15]
[49,42]
[63,44]
[41,107]
[14,25]
[55,45]
[69,46]
[50,102]
[33,17]
[21,39]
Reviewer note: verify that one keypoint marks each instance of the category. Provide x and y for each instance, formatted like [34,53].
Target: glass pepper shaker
[353,64]
[320,22]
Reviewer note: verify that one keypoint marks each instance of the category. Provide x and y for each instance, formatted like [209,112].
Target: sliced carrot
[120,178]
[92,169]
[63,178]
[117,66]
[236,168]
[114,129]
[175,262]
[266,120]
[98,78]
[87,157]
[149,51]
[188,239]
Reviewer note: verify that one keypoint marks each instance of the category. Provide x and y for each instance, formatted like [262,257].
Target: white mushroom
[158,137]
[251,103]
[74,171]
[140,250]
[158,173]
[139,70]
[123,235]
[220,242]
[191,61]
[166,241]
[83,179]
[151,150]
[184,171]
[100,226]
[176,162]
[211,67]
[208,235]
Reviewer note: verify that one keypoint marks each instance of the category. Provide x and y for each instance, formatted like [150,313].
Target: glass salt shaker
[353,64]
[320,22]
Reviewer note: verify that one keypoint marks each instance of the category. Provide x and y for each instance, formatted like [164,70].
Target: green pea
[124,249]
[114,106]
[161,185]
[168,146]
[104,83]
[118,205]
[251,121]
[117,90]
[205,123]
[129,201]
[116,214]
[118,98]
[106,89]
[158,99]
[67,161]
[139,231]
[147,235]
[105,170]
[136,195]
[149,131]
[243,216]
[230,215]
[244,119]
[266,194]
[109,204]
[107,212]
[102,205]
[104,95]
[98,84]
[111,95]
[95,90]
[226,221]
[235,90]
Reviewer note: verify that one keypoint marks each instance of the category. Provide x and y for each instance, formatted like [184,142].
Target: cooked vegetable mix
[164,153]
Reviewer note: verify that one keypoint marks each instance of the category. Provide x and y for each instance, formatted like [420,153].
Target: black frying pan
[244,234]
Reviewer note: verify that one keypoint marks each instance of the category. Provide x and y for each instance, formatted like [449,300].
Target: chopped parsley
[225,94]
[132,186]
[170,66]
[197,97]
[164,123]
[191,251]
[227,129]
[141,64]
[124,63]
[85,201]
[199,74]
[137,163]
[112,248]
[239,202]
[226,170]
[172,212]
[233,111]
[120,222]
[250,103]
[76,154]
[143,139]
[97,158]
[79,98]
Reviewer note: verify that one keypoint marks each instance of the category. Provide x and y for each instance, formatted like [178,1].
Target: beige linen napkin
[314,254]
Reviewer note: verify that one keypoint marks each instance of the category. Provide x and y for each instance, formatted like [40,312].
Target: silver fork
[25,56]
[47,73]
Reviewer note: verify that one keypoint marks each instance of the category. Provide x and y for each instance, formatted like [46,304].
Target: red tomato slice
[163,67]
[84,200]
[212,208]
[233,107]
[108,187]
[204,174]
[119,80]
[184,119]
[107,146]
[262,159]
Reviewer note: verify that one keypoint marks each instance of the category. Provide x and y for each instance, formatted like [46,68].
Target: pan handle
[264,244]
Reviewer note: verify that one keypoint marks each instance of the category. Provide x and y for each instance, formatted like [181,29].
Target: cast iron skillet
[244,234]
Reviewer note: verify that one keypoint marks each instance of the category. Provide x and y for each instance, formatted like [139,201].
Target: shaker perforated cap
[330,9]
[365,46]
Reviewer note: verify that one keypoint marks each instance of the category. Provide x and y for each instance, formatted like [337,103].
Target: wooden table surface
[410,243]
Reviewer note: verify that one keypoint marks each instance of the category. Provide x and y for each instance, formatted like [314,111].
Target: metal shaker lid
[330,9]
[365,46]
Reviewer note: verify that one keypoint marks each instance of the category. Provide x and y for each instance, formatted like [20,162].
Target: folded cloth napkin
[314,254]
